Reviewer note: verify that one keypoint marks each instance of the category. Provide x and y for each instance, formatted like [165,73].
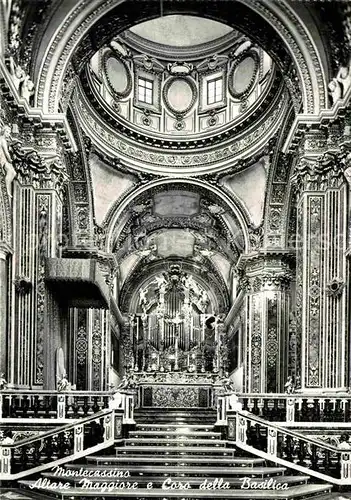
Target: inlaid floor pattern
[185,449]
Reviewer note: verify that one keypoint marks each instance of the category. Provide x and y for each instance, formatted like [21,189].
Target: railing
[58,446]
[298,408]
[52,404]
[289,448]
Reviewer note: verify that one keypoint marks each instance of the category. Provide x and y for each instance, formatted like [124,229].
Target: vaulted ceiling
[179,178]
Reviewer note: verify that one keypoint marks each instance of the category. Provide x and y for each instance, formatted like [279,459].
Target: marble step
[175,427]
[198,411]
[179,441]
[194,481]
[214,461]
[184,432]
[175,449]
[296,492]
[199,417]
[231,471]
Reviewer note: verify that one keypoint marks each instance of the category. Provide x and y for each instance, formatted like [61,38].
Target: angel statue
[289,385]
[228,384]
[142,296]
[5,158]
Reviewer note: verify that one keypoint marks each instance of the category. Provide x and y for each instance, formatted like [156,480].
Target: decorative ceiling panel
[176,204]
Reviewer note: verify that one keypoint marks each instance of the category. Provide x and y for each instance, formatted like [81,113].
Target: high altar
[178,341]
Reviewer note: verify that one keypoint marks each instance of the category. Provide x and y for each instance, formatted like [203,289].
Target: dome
[212,81]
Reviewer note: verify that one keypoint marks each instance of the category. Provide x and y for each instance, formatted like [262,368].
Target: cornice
[35,116]
[271,94]
[305,122]
[277,256]
[202,160]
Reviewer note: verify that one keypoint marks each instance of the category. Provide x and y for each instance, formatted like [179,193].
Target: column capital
[319,174]
[43,171]
[265,271]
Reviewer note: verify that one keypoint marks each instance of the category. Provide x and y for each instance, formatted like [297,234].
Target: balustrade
[69,442]
[298,408]
[58,446]
[296,449]
[52,405]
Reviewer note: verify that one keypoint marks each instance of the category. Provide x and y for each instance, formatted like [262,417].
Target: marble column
[321,328]
[265,279]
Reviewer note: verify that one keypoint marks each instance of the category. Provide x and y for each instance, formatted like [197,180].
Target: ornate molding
[175,378]
[318,174]
[129,83]
[275,281]
[257,10]
[41,172]
[115,144]
[244,55]
[267,100]
[190,81]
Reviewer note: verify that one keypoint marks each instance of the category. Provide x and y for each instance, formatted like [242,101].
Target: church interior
[175,241]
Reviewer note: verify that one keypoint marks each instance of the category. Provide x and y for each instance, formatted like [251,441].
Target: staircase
[175,454]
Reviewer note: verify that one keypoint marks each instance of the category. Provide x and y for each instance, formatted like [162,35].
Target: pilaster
[321,268]
[37,209]
[265,280]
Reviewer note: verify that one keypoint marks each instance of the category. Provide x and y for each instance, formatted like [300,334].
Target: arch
[276,27]
[233,204]
[143,274]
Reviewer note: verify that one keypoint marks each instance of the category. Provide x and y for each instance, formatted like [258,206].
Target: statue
[18,75]
[335,90]
[289,386]
[340,85]
[161,283]
[62,383]
[115,402]
[5,158]
[344,78]
[27,89]
[3,382]
[228,384]
[142,296]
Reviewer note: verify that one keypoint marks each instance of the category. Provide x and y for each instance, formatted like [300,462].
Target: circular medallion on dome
[179,94]
[117,75]
[243,74]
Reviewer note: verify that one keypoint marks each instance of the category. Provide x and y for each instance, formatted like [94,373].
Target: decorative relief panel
[175,397]
[256,345]
[43,217]
[313,344]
